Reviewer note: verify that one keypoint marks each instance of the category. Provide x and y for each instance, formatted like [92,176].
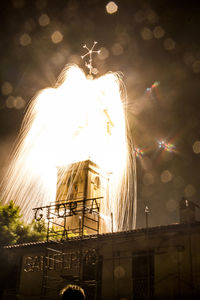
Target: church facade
[159,263]
[152,263]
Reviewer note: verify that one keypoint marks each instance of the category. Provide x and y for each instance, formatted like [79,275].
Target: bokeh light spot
[189,190]
[146,34]
[169,44]
[117,49]
[148,179]
[44,20]
[196,147]
[56,37]
[103,54]
[111,7]
[19,103]
[166,176]
[196,66]
[25,39]
[10,102]
[158,32]
[171,205]
[6,88]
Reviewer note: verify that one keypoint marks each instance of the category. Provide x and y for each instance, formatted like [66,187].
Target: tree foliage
[14,231]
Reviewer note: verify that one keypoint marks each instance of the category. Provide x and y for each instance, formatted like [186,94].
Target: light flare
[138,152]
[166,146]
[77,120]
[153,90]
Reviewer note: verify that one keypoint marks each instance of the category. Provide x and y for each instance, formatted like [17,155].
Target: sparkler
[80,118]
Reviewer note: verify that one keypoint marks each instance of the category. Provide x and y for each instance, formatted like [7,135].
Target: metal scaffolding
[65,220]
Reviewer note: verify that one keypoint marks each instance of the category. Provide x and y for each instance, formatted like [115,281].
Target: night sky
[156,46]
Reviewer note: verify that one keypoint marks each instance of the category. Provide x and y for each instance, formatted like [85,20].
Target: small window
[97,182]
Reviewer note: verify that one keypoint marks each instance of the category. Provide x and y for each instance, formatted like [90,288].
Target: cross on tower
[90,52]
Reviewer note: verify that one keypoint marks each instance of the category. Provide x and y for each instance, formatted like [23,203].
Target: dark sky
[148,41]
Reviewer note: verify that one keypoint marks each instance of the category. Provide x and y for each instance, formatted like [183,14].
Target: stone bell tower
[83,187]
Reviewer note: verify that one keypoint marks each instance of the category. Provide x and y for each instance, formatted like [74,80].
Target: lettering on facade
[61,261]
[67,209]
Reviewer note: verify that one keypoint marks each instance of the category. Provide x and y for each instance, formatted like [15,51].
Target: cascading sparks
[81,118]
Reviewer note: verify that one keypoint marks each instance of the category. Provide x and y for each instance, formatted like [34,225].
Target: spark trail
[80,118]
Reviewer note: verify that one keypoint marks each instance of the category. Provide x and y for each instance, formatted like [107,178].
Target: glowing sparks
[80,119]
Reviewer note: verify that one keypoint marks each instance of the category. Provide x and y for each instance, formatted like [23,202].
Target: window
[143,276]
[97,182]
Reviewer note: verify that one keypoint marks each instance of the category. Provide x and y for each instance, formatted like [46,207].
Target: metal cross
[90,52]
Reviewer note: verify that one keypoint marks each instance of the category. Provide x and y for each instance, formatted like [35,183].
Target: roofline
[160,228]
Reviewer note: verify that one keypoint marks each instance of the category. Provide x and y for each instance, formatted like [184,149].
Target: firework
[80,118]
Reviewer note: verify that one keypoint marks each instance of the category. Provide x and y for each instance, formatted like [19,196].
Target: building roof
[150,230]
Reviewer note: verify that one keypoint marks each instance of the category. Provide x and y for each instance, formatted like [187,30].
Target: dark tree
[14,231]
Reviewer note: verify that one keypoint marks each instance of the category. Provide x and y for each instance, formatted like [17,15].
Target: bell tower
[84,187]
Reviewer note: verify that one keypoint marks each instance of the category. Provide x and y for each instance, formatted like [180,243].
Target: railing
[70,218]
